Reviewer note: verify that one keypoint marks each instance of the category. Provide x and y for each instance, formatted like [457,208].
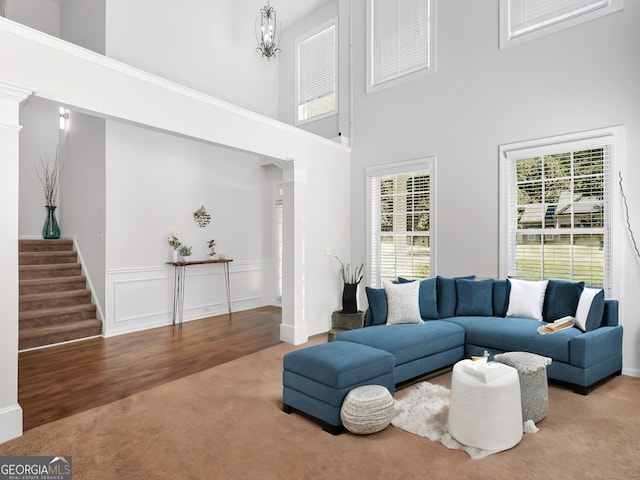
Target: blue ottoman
[316,379]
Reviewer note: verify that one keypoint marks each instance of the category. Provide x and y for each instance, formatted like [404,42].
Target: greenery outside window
[556,219]
[400,220]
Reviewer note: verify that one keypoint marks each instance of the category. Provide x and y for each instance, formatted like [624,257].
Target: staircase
[55,304]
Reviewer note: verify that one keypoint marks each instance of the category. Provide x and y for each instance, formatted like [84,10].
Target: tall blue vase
[51,230]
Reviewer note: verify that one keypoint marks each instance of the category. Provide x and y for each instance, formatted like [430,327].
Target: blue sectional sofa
[446,320]
[468,317]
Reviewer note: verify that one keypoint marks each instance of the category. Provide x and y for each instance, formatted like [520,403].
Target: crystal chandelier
[267,32]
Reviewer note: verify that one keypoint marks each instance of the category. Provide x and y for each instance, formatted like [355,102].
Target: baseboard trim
[10,423]
[296,335]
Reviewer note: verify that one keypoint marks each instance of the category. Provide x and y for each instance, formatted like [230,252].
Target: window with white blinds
[556,210]
[400,219]
[524,19]
[400,40]
[316,74]
[279,246]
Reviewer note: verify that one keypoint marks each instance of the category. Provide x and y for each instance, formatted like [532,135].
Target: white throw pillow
[402,302]
[584,306]
[526,298]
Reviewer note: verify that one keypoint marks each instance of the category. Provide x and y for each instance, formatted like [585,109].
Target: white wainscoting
[142,298]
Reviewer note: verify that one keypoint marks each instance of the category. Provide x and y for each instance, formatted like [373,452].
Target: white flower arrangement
[175,240]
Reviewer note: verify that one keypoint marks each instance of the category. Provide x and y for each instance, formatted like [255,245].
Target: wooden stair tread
[38,301]
[34,297]
[44,312]
[54,334]
[32,332]
[47,257]
[54,301]
[51,284]
[54,280]
[49,270]
[49,266]
[44,245]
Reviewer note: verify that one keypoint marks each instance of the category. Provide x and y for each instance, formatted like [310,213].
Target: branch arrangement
[347,275]
[49,178]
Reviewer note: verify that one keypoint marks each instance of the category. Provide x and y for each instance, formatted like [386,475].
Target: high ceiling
[290,11]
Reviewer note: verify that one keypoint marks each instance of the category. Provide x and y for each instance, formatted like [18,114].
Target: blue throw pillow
[446,293]
[428,299]
[501,297]
[561,299]
[377,306]
[474,297]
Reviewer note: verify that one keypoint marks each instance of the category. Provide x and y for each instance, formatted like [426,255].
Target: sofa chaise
[431,324]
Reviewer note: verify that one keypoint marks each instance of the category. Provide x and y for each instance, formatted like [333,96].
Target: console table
[179,271]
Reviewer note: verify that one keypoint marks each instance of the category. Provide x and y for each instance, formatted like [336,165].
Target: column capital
[13,92]
[293,170]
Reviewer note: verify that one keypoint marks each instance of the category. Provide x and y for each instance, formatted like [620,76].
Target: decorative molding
[294,334]
[235,266]
[13,92]
[129,270]
[293,170]
[87,274]
[6,126]
[119,284]
[132,295]
[125,69]
[10,422]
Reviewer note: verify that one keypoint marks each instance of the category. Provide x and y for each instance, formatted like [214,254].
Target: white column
[10,411]
[294,324]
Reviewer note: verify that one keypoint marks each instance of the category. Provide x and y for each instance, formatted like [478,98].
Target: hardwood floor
[59,381]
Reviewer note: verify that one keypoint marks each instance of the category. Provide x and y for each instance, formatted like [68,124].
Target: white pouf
[367,409]
[485,415]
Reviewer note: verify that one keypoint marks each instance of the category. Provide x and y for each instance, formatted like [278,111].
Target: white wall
[43,15]
[83,22]
[328,235]
[481,97]
[82,194]
[38,141]
[154,184]
[208,46]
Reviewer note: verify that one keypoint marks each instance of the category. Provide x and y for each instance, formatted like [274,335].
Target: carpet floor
[227,422]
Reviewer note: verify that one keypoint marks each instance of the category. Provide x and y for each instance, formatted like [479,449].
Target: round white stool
[486,415]
[367,409]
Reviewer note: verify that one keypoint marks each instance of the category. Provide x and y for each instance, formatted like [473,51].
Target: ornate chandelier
[267,32]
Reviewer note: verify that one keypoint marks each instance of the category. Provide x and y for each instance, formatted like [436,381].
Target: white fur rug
[423,409]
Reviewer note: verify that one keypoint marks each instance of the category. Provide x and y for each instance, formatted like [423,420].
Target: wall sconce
[63,118]
[267,32]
